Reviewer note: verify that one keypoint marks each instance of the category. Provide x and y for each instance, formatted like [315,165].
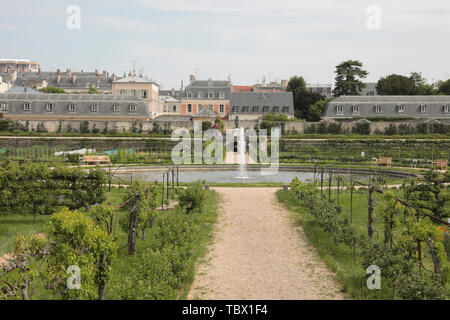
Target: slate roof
[207,86]
[83,105]
[388,106]
[83,80]
[18,89]
[205,112]
[261,100]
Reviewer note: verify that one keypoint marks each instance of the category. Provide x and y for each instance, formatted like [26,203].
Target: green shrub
[192,198]
[362,128]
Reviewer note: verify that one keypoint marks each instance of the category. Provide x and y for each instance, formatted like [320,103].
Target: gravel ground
[258,253]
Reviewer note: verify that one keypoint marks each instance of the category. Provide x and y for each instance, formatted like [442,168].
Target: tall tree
[395,84]
[444,87]
[303,99]
[421,87]
[348,78]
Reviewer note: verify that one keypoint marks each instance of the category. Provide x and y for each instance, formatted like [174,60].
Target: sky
[246,40]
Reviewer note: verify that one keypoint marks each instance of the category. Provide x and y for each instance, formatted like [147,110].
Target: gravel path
[258,253]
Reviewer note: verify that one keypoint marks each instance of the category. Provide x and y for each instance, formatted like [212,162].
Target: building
[272,86]
[253,105]
[370,89]
[141,88]
[200,94]
[408,107]
[69,81]
[4,85]
[18,89]
[38,106]
[19,65]
[171,105]
[323,89]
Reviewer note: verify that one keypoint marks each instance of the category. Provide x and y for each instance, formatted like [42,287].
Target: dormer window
[255,109]
[132,108]
[245,109]
[423,109]
[286,109]
[94,107]
[116,107]
[49,106]
[355,109]
[235,109]
[221,95]
[276,109]
[71,107]
[189,95]
[447,108]
[265,109]
[3,107]
[378,109]
[400,108]
[199,95]
[27,106]
[210,95]
[339,110]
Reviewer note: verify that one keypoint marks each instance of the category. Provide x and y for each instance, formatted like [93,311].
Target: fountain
[241,155]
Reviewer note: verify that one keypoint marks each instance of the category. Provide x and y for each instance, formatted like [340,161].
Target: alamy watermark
[208,147]
[374,279]
[374,18]
[74,281]
[74,18]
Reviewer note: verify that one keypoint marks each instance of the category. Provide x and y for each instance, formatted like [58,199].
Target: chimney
[181,88]
[74,78]
[192,78]
[105,74]
[39,71]
[96,72]
[14,76]
[58,79]
[173,92]
[113,77]
[58,72]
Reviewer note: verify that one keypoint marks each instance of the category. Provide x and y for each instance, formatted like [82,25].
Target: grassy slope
[339,257]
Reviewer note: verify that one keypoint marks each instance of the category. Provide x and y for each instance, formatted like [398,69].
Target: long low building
[417,107]
[26,106]
[253,105]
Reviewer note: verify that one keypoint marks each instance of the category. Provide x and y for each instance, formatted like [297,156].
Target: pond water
[222,176]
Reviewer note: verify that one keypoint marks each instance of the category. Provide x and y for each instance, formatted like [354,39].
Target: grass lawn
[340,258]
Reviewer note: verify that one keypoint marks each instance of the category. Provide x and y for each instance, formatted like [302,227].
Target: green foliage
[444,87]
[92,90]
[77,240]
[52,90]
[192,199]
[348,78]
[362,128]
[303,99]
[84,126]
[272,120]
[395,84]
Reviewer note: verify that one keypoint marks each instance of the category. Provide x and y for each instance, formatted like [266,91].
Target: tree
[348,78]
[395,84]
[303,99]
[421,87]
[315,112]
[444,87]
[92,90]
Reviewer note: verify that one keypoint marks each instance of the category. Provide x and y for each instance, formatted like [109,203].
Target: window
[400,108]
[377,109]
[355,109]
[189,95]
[245,109]
[210,95]
[265,109]
[423,109]
[132,107]
[235,109]
[116,107]
[133,92]
[122,91]
[49,106]
[276,109]
[27,106]
[221,108]
[340,110]
[72,107]
[189,108]
[144,94]
[255,109]
[286,109]
[446,108]
[221,95]
[199,95]
[174,108]
[200,107]
[94,107]
[4,107]
[211,107]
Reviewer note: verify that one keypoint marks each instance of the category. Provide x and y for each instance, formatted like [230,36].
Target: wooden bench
[440,164]
[95,159]
[384,160]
